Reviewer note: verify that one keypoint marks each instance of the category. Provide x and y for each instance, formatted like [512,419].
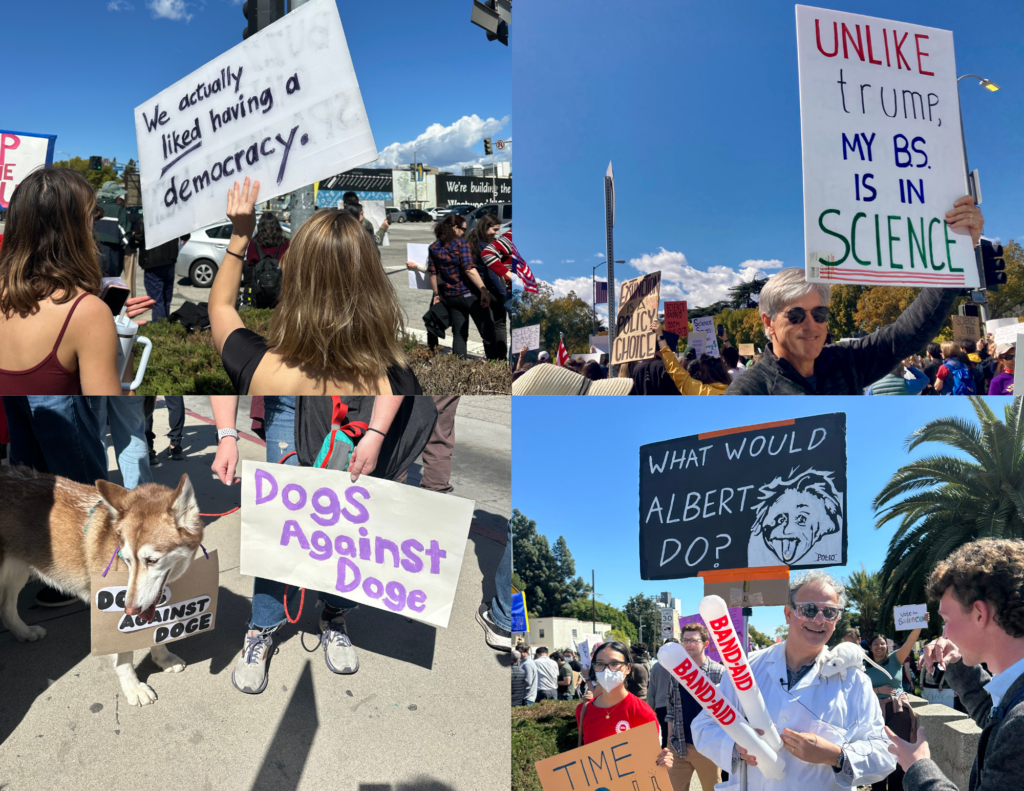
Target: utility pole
[593,600]
[303,201]
[415,174]
[609,225]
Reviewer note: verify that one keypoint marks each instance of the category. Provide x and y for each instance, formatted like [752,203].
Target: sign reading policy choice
[282,108]
[883,156]
[377,542]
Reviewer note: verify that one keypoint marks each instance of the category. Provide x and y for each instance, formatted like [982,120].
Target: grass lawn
[538,732]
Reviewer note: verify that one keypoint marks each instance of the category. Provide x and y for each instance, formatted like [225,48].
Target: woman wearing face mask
[615,710]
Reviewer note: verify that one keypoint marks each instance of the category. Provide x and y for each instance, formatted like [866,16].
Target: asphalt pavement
[414,302]
[427,711]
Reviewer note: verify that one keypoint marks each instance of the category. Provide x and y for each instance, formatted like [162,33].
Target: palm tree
[865,592]
[949,501]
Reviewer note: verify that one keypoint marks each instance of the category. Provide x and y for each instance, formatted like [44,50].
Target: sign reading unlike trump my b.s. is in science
[883,157]
[282,107]
[377,542]
[766,495]
[20,154]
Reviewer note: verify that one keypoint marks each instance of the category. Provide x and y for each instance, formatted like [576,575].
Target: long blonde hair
[338,313]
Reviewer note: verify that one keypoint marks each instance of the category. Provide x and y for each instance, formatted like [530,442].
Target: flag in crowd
[562,357]
[519,266]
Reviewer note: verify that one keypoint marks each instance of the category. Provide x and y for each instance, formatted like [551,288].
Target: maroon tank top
[49,377]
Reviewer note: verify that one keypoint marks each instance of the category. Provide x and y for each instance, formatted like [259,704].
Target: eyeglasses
[692,641]
[797,315]
[599,666]
[808,610]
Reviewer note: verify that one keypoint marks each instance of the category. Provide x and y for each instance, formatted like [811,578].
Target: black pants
[175,416]
[546,694]
[498,348]
[660,713]
[460,310]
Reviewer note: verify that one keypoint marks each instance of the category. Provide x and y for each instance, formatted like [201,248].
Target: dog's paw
[31,634]
[170,663]
[139,694]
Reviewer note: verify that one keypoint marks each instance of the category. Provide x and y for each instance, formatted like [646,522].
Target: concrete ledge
[952,739]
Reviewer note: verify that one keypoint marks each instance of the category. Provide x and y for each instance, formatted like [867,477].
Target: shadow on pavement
[286,757]
[421,783]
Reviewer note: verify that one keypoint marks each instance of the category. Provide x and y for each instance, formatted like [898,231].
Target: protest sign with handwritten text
[910,616]
[526,336]
[675,318]
[282,107]
[625,762]
[883,156]
[20,154]
[377,542]
[638,308]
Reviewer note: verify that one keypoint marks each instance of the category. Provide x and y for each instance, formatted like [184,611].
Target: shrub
[538,732]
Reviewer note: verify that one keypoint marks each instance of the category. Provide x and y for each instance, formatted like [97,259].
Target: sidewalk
[428,709]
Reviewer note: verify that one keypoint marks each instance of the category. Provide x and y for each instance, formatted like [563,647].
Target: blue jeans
[160,286]
[268,595]
[501,605]
[60,435]
[128,436]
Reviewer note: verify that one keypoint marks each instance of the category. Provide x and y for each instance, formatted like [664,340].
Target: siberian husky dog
[47,530]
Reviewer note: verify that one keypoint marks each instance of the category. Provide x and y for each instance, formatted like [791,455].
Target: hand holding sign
[965,217]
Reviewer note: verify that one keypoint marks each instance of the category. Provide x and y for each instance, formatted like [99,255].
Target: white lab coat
[850,706]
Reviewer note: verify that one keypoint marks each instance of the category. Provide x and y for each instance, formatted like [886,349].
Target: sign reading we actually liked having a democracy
[627,761]
[883,158]
[638,309]
[377,542]
[765,495]
[20,154]
[283,108]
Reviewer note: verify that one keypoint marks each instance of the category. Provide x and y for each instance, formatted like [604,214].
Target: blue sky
[84,65]
[697,105]
[575,472]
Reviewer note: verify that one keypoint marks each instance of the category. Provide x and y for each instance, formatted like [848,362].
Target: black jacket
[848,368]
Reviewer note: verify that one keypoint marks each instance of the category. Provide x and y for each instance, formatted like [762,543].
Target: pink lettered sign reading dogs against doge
[377,542]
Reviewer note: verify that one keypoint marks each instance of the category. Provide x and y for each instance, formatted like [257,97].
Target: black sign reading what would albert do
[767,495]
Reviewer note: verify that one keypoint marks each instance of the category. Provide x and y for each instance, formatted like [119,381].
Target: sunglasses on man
[797,315]
[809,610]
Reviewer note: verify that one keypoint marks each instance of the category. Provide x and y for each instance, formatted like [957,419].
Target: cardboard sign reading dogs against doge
[188,606]
[765,495]
[638,307]
[282,107]
[883,158]
[377,542]
[624,762]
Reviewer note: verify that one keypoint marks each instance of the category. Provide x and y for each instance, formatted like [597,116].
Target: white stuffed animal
[846,656]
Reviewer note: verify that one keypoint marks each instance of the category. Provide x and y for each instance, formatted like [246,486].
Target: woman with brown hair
[500,288]
[335,329]
[57,337]
[456,282]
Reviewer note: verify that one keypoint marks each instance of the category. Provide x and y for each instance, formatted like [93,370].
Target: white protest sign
[910,616]
[377,542]
[20,154]
[883,158]
[1007,333]
[706,325]
[599,342]
[526,336]
[697,341]
[993,324]
[374,211]
[417,253]
[282,107]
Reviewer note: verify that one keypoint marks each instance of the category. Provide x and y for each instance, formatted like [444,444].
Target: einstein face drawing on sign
[799,521]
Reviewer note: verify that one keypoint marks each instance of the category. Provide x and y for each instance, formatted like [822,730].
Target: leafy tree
[782,632]
[759,639]
[710,310]
[942,502]
[1007,301]
[741,326]
[842,307]
[744,295]
[644,609]
[880,306]
[95,177]
[583,610]
[622,637]
[569,315]
[864,591]
[546,573]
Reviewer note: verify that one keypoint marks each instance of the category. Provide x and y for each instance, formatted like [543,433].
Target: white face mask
[610,679]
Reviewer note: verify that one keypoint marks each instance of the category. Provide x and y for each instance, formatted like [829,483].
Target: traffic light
[993,264]
[249,11]
[487,146]
[96,163]
[501,34]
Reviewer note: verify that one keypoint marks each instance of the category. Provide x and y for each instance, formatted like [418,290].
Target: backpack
[963,379]
[264,290]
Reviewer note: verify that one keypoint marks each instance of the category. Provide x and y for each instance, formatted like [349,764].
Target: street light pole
[415,173]
[980,297]
[593,296]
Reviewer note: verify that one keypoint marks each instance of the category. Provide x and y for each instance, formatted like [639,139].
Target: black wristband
[375,431]
[236,255]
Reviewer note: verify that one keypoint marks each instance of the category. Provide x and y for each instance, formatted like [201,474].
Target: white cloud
[598,255]
[562,287]
[535,261]
[680,281]
[450,147]
[170,9]
[120,5]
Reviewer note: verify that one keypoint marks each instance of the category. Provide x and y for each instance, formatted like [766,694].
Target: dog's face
[159,531]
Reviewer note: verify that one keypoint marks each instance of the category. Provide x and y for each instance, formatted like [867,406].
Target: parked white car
[200,257]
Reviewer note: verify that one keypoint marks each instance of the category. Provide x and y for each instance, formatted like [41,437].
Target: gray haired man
[794,314]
